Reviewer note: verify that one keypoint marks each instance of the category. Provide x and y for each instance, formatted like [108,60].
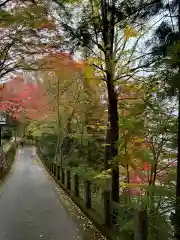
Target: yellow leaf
[139,140]
[105,144]
[129,32]
[102,127]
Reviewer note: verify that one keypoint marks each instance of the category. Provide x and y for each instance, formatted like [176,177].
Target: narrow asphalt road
[29,207]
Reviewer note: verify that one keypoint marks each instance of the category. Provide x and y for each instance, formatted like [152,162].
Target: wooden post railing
[88,194]
[55,167]
[62,175]
[68,180]
[50,166]
[58,172]
[76,185]
[52,170]
[107,208]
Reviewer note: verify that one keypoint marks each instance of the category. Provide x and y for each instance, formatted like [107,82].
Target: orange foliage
[58,61]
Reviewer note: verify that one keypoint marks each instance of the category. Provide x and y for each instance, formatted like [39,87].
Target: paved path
[29,207]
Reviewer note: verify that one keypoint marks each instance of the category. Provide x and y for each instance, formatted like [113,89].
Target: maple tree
[25,34]
[19,99]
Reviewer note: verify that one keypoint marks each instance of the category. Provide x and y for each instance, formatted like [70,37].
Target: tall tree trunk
[112,138]
[108,23]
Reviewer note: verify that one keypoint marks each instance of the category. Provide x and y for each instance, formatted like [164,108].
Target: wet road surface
[29,207]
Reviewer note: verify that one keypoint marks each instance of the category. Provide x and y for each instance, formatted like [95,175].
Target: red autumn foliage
[23,99]
[147,167]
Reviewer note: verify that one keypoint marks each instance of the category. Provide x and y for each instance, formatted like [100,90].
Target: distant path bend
[29,207]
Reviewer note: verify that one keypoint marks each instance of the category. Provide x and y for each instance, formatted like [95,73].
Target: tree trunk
[112,138]
[108,23]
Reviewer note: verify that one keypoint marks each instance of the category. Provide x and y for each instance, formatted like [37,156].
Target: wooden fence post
[88,194]
[68,180]
[107,208]
[58,172]
[62,175]
[76,185]
[52,169]
[141,225]
[49,164]
[55,167]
